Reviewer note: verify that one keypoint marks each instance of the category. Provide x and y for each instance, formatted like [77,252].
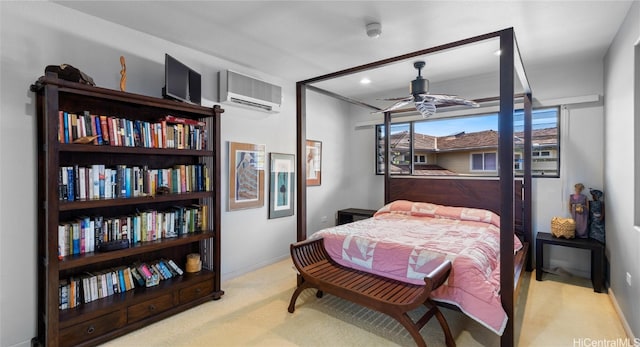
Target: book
[137,277]
[181,120]
[97,126]
[126,275]
[93,281]
[104,129]
[175,267]
[86,289]
[121,282]
[63,290]
[115,280]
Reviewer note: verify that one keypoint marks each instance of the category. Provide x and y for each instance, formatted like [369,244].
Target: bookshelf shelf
[115,302]
[79,260]
[102,203]
[68,227]
[74,147]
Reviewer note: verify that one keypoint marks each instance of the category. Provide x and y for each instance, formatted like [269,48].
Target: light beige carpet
[253,312]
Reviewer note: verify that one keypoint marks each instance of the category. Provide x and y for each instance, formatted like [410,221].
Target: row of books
[89,287]
[100,182]
[85,234]
[167,132]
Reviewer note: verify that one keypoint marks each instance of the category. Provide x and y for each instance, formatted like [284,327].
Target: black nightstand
[597,256]
[353,214]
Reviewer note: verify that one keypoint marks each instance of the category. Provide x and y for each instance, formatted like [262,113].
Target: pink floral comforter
[407,240]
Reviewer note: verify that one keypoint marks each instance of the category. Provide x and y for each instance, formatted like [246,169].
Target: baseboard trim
[625,324]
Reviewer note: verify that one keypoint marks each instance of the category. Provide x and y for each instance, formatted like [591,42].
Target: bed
[506,196]
[405,239]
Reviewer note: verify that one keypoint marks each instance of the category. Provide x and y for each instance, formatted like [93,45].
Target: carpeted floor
[253,312]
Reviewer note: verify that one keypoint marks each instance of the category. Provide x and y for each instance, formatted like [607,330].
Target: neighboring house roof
[469,141]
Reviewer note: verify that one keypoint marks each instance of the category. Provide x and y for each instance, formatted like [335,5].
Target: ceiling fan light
[426,109]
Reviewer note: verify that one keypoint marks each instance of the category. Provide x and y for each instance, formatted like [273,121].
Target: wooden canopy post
[301,163]
[505,168]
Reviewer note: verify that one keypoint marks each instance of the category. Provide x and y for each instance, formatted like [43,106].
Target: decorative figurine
[123,74]
[596,215]
[579,209]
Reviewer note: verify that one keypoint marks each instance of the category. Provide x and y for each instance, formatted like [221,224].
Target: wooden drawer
[196,291]
[92,328]
[149,308]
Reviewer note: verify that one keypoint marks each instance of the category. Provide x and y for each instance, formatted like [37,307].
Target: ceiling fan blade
[449,100]
[397,105]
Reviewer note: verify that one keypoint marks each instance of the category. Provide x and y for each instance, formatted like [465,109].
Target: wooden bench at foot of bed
[385,295]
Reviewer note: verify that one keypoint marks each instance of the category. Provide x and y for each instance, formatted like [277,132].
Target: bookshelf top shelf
[126,97]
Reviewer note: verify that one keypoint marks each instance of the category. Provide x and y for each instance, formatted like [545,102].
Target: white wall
[36,34]
[326,122]
[623,241]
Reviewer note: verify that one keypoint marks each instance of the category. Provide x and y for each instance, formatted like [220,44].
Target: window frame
[379,168]
[484,161]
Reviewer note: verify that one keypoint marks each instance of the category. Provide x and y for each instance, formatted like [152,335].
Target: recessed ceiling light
[365,81]
[497,53]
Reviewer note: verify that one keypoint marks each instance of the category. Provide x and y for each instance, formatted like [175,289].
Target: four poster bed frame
[510,198]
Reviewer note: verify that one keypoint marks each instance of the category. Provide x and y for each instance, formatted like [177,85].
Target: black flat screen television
[180,82]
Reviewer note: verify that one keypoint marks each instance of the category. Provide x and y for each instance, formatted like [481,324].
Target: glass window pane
[490,162]
[476,161]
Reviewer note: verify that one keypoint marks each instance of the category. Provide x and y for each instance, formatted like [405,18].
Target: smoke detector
[374,30]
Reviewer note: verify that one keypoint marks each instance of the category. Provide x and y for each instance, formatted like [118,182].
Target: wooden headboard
[462,192]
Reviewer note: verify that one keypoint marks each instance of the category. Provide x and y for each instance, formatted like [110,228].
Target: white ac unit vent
[241,90]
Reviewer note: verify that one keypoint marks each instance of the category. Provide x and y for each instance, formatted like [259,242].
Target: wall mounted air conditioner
[241,90]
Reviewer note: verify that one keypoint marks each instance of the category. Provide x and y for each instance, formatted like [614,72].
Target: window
[541,154]
[484,161]
[468,145]
[419,159]
[400,149]
[517,161]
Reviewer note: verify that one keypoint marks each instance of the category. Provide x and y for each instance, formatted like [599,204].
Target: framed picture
[246,176]
[314,162]
[281,185]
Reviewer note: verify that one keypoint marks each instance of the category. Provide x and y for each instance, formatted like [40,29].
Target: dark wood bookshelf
[112,316]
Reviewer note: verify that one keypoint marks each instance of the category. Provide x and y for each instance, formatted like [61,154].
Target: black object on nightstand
[353,214]
[597,256]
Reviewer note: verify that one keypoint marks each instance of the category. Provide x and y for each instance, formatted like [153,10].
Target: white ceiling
[297,40]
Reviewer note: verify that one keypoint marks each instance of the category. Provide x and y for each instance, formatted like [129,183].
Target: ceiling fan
[425,103]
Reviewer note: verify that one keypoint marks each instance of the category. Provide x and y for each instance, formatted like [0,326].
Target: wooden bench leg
[408,324]
[443,323]
[296,293]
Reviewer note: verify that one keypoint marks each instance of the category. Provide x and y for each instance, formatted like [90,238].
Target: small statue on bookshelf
[123,74]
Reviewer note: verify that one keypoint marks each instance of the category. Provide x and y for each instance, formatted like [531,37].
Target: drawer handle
[152,307]
[91,329]
[198,290]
